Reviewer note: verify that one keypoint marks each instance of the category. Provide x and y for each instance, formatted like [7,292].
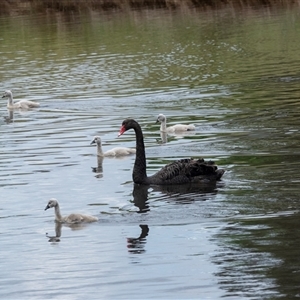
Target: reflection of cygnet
[23,104]
[70,219]
[118,151]
[175,128]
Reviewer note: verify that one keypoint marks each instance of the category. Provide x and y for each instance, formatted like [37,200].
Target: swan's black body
[178,172]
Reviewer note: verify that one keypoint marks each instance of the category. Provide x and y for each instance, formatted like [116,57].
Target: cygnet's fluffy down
[70,219]
[22,104]
[175,128]
[117,151]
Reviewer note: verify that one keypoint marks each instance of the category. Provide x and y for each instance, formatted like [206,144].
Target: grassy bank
[33,6]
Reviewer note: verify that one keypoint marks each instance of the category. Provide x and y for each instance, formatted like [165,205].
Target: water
[234,74]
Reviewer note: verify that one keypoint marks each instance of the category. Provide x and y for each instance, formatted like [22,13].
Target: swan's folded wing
[26,104]
[184,170]
[200,167]
[74,219]
[182,127]
[120,151]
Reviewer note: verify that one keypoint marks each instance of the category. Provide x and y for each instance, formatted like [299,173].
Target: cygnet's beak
[93,142]
[4,96]
[47,207]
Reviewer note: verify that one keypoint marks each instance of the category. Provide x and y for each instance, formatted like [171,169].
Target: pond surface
[233,74]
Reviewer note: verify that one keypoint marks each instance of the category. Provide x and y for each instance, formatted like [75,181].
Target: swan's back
[186,171]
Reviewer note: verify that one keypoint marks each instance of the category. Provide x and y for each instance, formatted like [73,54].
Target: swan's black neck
[139,174]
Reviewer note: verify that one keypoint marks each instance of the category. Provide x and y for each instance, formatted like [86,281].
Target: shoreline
[22,7]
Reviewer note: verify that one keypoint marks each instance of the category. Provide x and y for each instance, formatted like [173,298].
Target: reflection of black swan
[178,172]
[179,193]
[136,245]
[140,197]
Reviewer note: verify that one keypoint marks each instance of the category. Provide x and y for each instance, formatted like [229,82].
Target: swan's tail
[220,173]
[206,168]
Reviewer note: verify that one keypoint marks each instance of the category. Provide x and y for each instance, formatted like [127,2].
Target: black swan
[178,172]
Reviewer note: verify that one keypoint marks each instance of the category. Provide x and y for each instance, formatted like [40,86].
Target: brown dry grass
[33,6]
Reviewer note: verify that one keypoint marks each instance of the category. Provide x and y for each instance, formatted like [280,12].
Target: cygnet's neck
[99,149]
[10,100]
[163,125]
[58,216]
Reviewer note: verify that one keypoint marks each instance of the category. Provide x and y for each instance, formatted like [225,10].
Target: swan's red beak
[122,130]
